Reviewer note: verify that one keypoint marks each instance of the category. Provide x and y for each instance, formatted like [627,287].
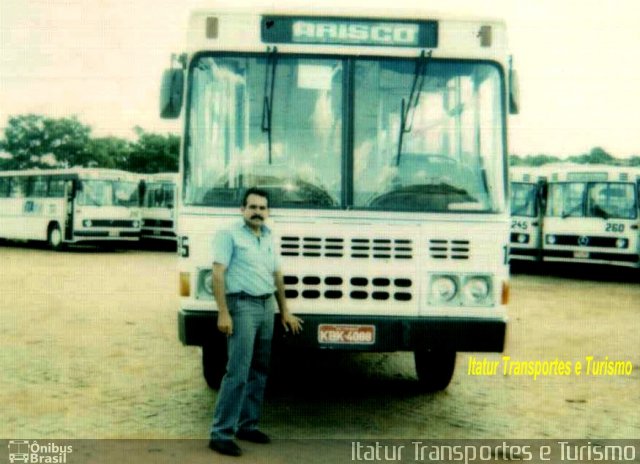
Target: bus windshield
[108,193]
[159,195]
[523,199]
[450,156]
[447,155]
[596,199]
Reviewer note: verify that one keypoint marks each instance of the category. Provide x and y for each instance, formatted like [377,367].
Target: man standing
[246,273]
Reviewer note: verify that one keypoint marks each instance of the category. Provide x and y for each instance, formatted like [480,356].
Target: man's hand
[291,322]
[225,324]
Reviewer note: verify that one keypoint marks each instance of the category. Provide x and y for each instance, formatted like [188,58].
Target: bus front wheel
[434,368]
[54,237]
[214,362]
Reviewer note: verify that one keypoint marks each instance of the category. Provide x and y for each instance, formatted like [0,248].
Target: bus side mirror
[542,194]
[514,92]
[142,188]
[76,186]
[171,92]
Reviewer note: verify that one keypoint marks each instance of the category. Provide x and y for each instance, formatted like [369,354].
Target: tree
[36,141]
[110,152]
[533,160]
[597,155]
[515,160]
[153,153]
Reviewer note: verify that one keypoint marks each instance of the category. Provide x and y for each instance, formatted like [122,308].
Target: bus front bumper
[326,331]
[106,234]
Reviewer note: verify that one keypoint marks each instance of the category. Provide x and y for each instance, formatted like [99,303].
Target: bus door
[70,190]
[538,223]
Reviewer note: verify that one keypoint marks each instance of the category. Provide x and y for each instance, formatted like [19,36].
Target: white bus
[65,206]
[528,188]
[158,196]
[382,143]
[592,215]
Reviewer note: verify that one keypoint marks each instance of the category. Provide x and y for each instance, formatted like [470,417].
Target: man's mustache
[257,216]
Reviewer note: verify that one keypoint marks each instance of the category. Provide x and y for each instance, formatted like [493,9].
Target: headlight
[551,239]
[476,290]
[443,289]
[621,243]
[205,284]
[87,223]
[523,238]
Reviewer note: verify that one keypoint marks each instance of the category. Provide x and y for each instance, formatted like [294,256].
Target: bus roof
[343,12]
[171,177]
[229,29]
[530,174]
[83,173]
[591,172]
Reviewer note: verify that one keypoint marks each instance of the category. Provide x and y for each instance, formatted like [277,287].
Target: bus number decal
[611,227]
[522,225]
[184,247]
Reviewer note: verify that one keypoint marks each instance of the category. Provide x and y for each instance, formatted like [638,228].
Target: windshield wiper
[267,107]
[414,97]
[575,209]
[599,212]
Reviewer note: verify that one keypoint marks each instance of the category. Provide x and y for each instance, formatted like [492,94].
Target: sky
[102,61]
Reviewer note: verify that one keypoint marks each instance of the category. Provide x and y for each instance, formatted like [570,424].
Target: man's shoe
[227,447]
[254,436]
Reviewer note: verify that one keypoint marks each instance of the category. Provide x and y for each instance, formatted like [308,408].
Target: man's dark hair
[255,191]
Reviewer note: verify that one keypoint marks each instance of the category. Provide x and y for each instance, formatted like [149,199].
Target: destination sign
[587,176]
[341,31]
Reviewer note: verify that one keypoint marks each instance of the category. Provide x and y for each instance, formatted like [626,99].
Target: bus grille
[449,249]
[577,240]
[357,247]
[313,287]
[111,223]
[157,223]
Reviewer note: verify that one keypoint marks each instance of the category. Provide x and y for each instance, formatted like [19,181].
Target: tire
[434,368]
[214,362]
[54,237]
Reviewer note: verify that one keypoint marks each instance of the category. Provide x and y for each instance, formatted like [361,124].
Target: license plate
[581,254]
[346,334]
[113,233]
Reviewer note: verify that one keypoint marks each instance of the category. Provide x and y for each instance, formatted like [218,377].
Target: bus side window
[4,187]
[18,187]
[56,188]
[38,187]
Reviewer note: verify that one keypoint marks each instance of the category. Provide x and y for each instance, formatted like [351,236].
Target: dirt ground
[89,349]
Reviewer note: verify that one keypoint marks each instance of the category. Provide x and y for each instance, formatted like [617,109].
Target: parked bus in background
[66,206]
[592,215]
[528,188]
[382,143]
[158,193]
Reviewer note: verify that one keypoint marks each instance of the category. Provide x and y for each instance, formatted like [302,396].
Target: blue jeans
[249,348]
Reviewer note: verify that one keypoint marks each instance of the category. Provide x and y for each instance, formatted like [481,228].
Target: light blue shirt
[250,261]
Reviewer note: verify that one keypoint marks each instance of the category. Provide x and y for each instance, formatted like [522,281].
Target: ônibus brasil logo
[32,452]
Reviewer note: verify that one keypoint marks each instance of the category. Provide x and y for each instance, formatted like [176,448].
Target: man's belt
[246,296]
